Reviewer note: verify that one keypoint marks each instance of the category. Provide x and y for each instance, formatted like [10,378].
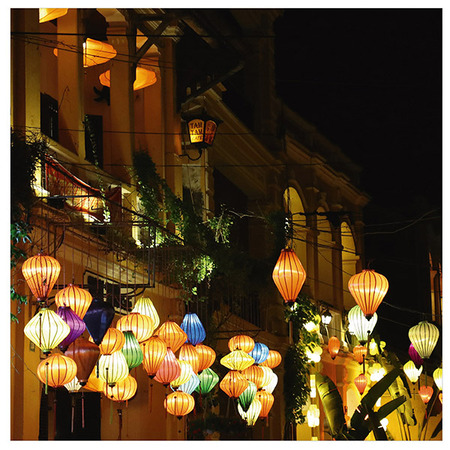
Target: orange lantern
[189,354]
[360,352]
[41,272]
[48,14]
[78,299]
[154,351]
[94,383]
[112,341]
[241,342]
[122,390]
[426,393]
[368,288]
[172,334]
[169,369]
[273,360]
[334,344]
[266,399]
[233,384]
[255,374]
[97,52]
[141,326]
[85,354]
[360,383]
[289,275]
[206,356]
[179,403]
[144,78]
[57,370]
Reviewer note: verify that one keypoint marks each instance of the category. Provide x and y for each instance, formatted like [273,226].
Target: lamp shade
[132,350]
[326,317]
[41,272]
[144,78]
[46,330]
[360,352]
[179,404]
[360,383]
[260,352]
[112,368]
[189,354]
[112,341]
[411,371]
[241,342]
[313,416]
[437,377]
[77,326]
[57,370]
[288,275]
[267,377]
[334,344]
[208,380]
[141,326]
[273,360]
[98,319]
[73,386]
[206,356]
[415,357]
[146,307]
[122,391]
[424,337]
[361,326]
[85,354]
[48,14]
[246,398]
[272,384]
[233,384]
[191,384]
[202,130]
[97,52]
[368,288]
[194,329]
[169,369]
[251,414]
[237,360]
[266,399]
[426,392]
[77,298]
[185,375]
[255,374]
[94,383]
[154,351]
[172,334]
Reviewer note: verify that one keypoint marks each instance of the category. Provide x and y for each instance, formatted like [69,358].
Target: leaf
[387,408]
[377,390]
[437,430]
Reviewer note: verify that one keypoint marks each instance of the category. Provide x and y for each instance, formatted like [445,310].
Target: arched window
[324,252]
[349,260]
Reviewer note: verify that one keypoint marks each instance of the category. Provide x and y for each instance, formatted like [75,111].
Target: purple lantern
[76,324]
[417,360]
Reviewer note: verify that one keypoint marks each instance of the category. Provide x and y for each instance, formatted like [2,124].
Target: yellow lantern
[437,377]
[141,326]
[272,384]
[57,370]
[424,337]
[252,413]
[313,416]
[146,307]
[237,360]
[267,377]
[184,377]
[334,344]
[122,390]
[411,371]
[179,404]
[48,14]
[112,341]
[112,368]
[95,383]
[97,52]
[241,342]
[144,78]
[77,298]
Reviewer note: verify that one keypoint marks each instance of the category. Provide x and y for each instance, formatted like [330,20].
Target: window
[49,116]
[93,139]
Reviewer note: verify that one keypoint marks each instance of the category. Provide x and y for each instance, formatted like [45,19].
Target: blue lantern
[259,353]
[98,319]
[194,329]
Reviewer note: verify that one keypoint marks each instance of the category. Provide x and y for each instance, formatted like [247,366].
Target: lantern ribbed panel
[154,351]
[437,377]
[208,380]
[132,350]
[112,341]
[122,390]
[360,383]
[185,375]
[233,384]
[360,352]
[424,337]
[112,368]
[411,371]
[94,383]
[426,392]
[266,399]
[169,369]
[273,360]
[172,334]
[77,326]
[146,307]
[46,329]
[57,370]
[289,275]
[259,353]
[206,356]
[412,352]
[85,354]
[360,325]
[141,326]
[97,52]
[191,384]
[252,413]
[267,377]
[179,403]
[241,342]
[237,360]
[77,298]
[189,354]
[73,386]
[98,319]
[193,328]
[368,288]
[41,272]
[246,398]
[272,385]
[255,374]
[334,344]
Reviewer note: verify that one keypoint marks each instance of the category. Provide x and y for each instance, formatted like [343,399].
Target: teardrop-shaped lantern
[412,352]
[57,370]
[112,341]
[362,327]
[273,383]
[191,384]
[85,354]
[41,272]
[206,356]
[112,368]
[97,52]
[208,380]
[169,369]
[255,374]
[144,78]
[154,351]
[77,298]
[189,354]
[237,360]
[424,337]
[360,353]
[241,342]
[46,330]
[266,378]
[246,398]
[360,383]
[233,384]
[411,371]
[141,326]
[172,334]
[289,275]
[185,375]
[334,344]
[194,329]
[179,404]
[77,326]
[266,399]
[94,383]
[122,391]
[368,288]
[273,360]
[146,307]
[426,392]
[437,377]
[132,350]
[98,319]
[252,413]
[260,352]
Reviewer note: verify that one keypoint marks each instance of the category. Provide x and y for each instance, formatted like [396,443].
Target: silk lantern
[85,354]
[191,384]
[154,351]
[424,337]
[97,52]
[360,383]
[246,398]
[252,413]
[98,319]
[122,391]
[270,387]
[112,341]
[273,360]
[437,377]
[255,374]
[288,275]
[206,356]
[260,352]
[179,404]
[362,327]
[241,342]
[146,307]
[368,288]
[426,392]
[266,399]
[334,344]
[233,384]
[132,350]
[77,326]
[73,386]
[266,378]
[77,298]
[172,334]
[169,369]
[360,353]
[193,328]
[189,354]
[94,383]
[185,375]
[112,368]
[56,370]
[418,361]
[208,380]
[237,360]
[411,371]
[141,326]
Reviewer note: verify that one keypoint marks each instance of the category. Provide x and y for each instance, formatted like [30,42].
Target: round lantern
[185,375]
[154,351]
[426,392]
[289,275]
[273,360]
[46,330]
[255,374]
[85,354]
[189,354]
[334,344]
[206,356]
[77,298]
[368,288]
[259,353]
[144,78]
[172,334]
[112,368]
[252,413]
[112,341]
[246,398]
[169,369]
[233,384]
[241,342]
[122,390]
[179,404]
[132,350]
[272,385]
[362,327]
[57,370]
[360,352]
[97,52]
[141,326]
[418,361]
[208,380]
[48,14]
[194,329]
[437,377]
[360,383]
[94,383]
[411,371]
[41,272]
[77,326]
[266,399]
[191,384]
[424,337]
[145,306]
[237,360]
[98,319]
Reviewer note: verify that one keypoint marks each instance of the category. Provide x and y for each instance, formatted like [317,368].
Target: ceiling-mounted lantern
[97,52]
[48,14]
[144,78]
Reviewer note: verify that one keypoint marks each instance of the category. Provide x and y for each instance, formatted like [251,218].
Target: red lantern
[78,299]
[112,341]
[241,342]
[426,393]
[154,350]
[334,344]
[233,384]
[206,356]
[360,353]
[169,369]
[273,360]
[189,354]
[266,399]
[85,354]
[172,334]
[57,370]
[361,383]
[142,326]
[179,403]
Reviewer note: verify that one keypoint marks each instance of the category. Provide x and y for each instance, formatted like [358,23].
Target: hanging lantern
[189,354]
[206,356]
[313,416]
[98,319]
[289,275]
[191,384]
[94,383]
[360,352]
[202,130]
[233,384]
[360,383]
[48,14]
[313,352]
[326,317]
[411,371]
[270,387]
[141,326]
[259,353]
[169,369]
[112,341]
[267,377]
[362,327]
[437,377]
[247,397]
[85,354]
[334,344]
[132,350]
[144,78]
[194,329]
[46,330]
[185,375]
[154,351]
[57,370]
[237,360]
[97,52]
[179,404]
[252,413]
[273,360]
[122,390]
[77,326]
[145,307]
[266,399]
[241,342]
[424,337]
[208,380]
[426,392]
[377,372]
[78,299]
[368,288]
[312,386]
[41,272]
[255,374]
[73,386]
[112,368]
[418,361]
[172,334]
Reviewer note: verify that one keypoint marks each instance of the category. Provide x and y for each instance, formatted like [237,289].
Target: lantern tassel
[119,412]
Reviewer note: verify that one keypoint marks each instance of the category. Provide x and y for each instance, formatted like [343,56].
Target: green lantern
[132,350]
[208,379]
[246,398]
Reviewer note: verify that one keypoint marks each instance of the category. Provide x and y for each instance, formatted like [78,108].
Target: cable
[411,310]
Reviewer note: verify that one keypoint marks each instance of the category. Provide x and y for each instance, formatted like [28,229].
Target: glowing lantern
[426,393]
[172,334]
[189,354]
[289,275]
[360,383]
[112,341]
[312,386]
[373,347]
[313,416]
[440,397]
[313,352]
[48,14]
[57,370]
[97,52]
[144,78]
[141,326]
[241,342]
[194,329]
[334,344]
[360,353]
[122,390]
[376,372]
[77,326]
[185,375]
[208,380]
[73,386]
[424,337]
[154,351]
[206,356]
[246,398]
[237,360]
[112,368]
[362,327]
[411,371]
[94,383]
[202,130]
[191,385]
[255,374]
[145,306]
[46,330]
[131,350]
[86,355]
[41,272]
[179,404]
[78,299]
[266,399]
[326,317]
[437,377]
[98,319]
[259,353]
[233,384]
[418,361]
[252,413]
[169,369]
[267,377]
[273,360]
[270,387]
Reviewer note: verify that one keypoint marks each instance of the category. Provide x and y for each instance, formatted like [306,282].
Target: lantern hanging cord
[413,311]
